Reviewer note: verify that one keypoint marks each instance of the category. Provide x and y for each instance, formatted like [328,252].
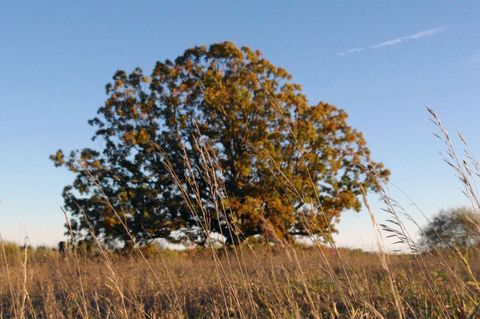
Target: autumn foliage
[218,140]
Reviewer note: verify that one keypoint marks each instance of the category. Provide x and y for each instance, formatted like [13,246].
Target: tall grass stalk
[274,279]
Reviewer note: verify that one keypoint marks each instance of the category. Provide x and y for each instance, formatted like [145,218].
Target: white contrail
[416,36]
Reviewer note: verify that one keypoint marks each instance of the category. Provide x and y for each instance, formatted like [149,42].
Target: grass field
[247,282]
[277,279]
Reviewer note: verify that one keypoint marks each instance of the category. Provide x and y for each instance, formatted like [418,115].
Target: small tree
[456,227]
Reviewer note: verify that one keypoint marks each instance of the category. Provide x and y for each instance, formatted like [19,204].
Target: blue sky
[382,62]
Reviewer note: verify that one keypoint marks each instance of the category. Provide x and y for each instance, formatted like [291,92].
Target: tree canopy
[219,139]
[456,227]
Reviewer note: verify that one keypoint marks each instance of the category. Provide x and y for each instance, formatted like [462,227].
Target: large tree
[218,140]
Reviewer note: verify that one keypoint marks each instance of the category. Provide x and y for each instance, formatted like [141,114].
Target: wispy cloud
[416,36]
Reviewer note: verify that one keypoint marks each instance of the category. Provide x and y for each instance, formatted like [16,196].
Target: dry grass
[251,280]
[269,285]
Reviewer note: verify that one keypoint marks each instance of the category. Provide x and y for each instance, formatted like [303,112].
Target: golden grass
[250,280]
[269,284]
